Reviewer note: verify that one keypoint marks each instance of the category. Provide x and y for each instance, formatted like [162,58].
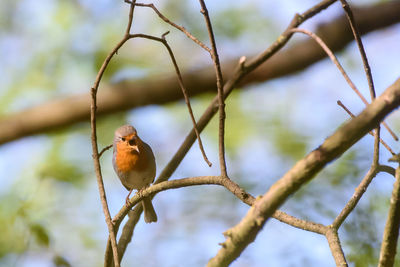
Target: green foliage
[14,235]
[21,222]
[233,22]
[60,261]
[184,13]
[56,166]
[112,68]
[288,141]
[106,127]
[40,233]
[240,125]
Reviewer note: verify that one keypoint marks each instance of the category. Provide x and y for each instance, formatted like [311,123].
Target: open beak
[135,148]
[133,144]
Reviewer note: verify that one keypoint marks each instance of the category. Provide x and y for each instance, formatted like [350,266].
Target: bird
[134,162]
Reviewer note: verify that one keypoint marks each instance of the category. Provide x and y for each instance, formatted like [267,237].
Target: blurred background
[50,213]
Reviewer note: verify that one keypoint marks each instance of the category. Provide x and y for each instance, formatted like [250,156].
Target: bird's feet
[127,202]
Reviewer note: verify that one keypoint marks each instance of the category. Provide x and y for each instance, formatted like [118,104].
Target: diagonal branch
[241,235]
[341,69]
[371,133]
[352,203]
[333,59]
[357,37]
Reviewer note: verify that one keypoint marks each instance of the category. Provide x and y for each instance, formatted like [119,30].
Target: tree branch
[187,100]
[220,84]
[391,232]
[388,169]
[162,186]
[96,155]
[343,72]
[371,132]
[336,247]
[357,37]
[352,203]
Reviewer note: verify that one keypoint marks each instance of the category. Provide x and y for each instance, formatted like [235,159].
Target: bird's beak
[135,148]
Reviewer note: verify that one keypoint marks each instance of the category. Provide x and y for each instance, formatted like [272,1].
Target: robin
[134,162]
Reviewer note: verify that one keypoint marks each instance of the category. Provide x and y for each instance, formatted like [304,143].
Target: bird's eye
[123,139]
[132,142]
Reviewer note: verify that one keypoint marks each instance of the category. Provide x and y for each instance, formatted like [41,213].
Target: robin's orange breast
[125,159]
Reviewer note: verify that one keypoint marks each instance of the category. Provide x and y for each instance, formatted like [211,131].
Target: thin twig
[130,18]
[351,204]
[96,155]
[100,183]
[300,223]
[187,100]
[104,150]
[220,84]
[96,161]
[181,28]
[362,187]
[333,58]
[391,232]
[375,159]
[388,169]
[371,133]
[367,68]
[356,34]
[287,34]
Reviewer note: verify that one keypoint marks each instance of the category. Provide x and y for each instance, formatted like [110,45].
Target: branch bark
[336,247]
[391,233]
[127,95]
[241,235]
[220,84]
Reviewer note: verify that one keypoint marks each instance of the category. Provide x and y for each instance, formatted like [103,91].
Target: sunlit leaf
[40,234]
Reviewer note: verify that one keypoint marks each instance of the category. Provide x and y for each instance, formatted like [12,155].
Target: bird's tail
[149,212]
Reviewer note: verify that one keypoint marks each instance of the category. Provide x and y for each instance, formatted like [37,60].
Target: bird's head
[127,138]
